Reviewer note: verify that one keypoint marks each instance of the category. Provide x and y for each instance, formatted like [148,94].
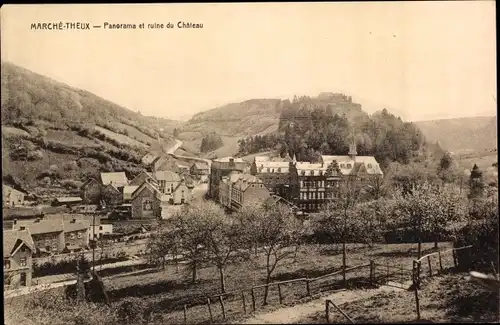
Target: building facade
[18,248]
[237,190]
[200,171]
[12,197]
[146,202]
[222,168]
[112,196]
[76,235]
[91,192]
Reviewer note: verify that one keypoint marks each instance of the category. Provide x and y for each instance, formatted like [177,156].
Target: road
[297,313]
[177,145]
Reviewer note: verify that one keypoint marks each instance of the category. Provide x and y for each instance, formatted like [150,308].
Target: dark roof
[142,187]
[90,180]
[199,165]
[13,238]
[166,175]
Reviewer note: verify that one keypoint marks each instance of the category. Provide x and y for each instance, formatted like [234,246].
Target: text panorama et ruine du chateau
[63,25]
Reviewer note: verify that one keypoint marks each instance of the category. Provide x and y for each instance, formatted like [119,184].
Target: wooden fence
[390,274]
[433,264]
[222,306]
[327,311]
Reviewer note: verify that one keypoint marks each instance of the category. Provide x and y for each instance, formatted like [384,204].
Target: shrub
[71,184]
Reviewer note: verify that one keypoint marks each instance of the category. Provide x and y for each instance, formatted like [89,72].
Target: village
[95,219]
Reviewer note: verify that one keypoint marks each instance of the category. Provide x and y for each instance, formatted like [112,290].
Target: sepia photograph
[250,163]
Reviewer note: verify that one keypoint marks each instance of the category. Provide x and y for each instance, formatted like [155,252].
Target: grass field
[71,138]
[13,131]
[123,139]
[446,298]
[167,291]
[135,134]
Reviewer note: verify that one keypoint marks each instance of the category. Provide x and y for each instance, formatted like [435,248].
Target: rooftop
[167,175]
[13,238]
[116,179]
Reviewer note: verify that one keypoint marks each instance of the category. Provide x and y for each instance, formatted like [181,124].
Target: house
[76,235]
[242,189]
[274,173]
[12,197]
[91,191]
[313,185]
[354,165]
[18,248]
[167,181]
[148,159]
[112,195]
[47,235]
[200,171]
[222,167]
[146,202]
[117,179]
[142,177]
[127,192]
[180,194]
[163,162]
[70,201]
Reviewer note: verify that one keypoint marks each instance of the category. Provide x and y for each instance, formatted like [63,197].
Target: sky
[421,60]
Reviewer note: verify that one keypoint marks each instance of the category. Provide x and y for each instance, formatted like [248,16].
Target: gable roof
[228,159]
[13,238]
[143,172]
[141,188]
[115,178]
[112,186]
[45,226]
[129,189]
[272,167]
[167,175]
[7,188]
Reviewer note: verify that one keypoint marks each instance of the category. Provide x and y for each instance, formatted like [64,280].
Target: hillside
[55,136]
[255,117]
[462,134]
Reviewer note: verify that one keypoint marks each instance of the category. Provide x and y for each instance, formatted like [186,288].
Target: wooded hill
[54,135]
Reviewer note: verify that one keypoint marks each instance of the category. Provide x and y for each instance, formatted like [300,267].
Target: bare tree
[277,230]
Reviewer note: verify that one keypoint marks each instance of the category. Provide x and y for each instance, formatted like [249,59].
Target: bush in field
[71,184]
[132,310]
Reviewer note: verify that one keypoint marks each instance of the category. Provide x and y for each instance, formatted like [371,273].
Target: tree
[340,219]
[222,239]
[277,230]
[476,183]
[426,209]
[162,243]
[446,169]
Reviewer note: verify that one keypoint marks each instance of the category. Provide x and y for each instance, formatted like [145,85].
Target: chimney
[15,222]
[73,221]
[22,228]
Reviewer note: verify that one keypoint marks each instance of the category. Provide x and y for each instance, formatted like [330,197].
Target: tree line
[310,128]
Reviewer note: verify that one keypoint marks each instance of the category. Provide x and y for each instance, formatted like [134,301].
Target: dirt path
[292,315]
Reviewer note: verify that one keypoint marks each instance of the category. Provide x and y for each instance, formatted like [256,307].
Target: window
[349,166]
[80,235]
[268,170]
[147,205]
[302,172]
[23,261]
[72,235]
[369,165]
[311,172]
[182,194]
[54,247]
[6,263]
[342,165]
[100,227]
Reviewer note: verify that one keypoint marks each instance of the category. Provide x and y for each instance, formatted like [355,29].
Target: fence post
[222,307]
[279,294]
[371,272]
[210,310]
[418,273]
[253,300]
[416,269]
[327,312]
[430,266]
[440,262]
[387,274]
[185,314]
[454,258]
[244,304]
[308,288]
